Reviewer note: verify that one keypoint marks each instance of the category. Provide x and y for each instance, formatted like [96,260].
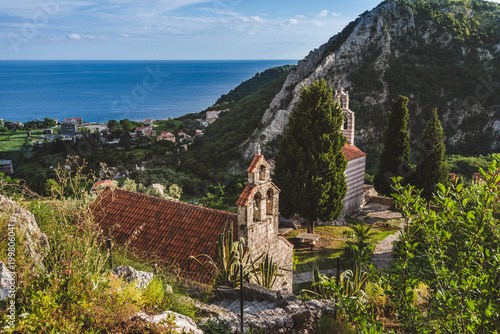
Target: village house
[69,128]
[172,231]
[146,131]
[199,133]
[74,120]
[166,136]
[148,121]
[6,167]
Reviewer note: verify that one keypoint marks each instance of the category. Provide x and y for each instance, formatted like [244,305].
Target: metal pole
[110,250]
[338,270]
[241,296]
[338,282]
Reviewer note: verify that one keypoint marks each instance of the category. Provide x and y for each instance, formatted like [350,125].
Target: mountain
[441,53]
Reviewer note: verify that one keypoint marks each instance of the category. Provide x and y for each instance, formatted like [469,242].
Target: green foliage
[216,327]
[252,85]
[129,184]
[229,254]
[310,165]
[267,272]
[467,166]
[359,237]
[432,168]
[461,243]
[395,155]
[220,144]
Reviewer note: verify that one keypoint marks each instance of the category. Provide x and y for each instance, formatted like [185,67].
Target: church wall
[355,179]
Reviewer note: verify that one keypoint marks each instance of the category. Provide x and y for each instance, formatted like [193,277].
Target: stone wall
[355,177]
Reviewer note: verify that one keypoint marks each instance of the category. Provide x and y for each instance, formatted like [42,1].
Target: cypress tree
[310,164]
[432,167]
[395,155]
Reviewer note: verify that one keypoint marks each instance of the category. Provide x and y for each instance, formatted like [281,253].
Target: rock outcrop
[141,279]
[24,223]
[367,50]
[182,323]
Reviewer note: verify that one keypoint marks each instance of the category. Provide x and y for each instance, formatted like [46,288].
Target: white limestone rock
[183,323]
[25,225]
[6,280]
[129,274]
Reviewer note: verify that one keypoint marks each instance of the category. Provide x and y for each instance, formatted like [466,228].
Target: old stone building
[356,159]
[258,212]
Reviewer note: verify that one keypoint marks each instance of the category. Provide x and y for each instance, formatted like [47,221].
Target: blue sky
[171,29]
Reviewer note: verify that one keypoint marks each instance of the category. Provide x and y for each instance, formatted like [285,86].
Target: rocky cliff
[443,54]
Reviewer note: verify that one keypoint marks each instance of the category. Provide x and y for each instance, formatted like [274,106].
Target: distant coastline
[99,91]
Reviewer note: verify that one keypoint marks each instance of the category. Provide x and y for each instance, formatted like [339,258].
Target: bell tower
[258,218]
[347,127]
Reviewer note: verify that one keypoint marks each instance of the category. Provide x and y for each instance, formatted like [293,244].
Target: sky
[171,29]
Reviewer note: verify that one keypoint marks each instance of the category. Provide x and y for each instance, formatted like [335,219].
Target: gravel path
[382,255]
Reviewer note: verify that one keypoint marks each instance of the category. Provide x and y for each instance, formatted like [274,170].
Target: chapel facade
[258,215]
[356,159]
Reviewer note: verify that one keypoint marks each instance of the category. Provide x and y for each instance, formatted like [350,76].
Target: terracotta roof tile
[245,195]
[255,162]
[351,152]
[171,230]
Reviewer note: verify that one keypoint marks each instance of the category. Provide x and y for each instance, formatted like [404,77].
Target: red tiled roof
[171,231]
[102,183]
[245,195]
[351,152]
[255,162]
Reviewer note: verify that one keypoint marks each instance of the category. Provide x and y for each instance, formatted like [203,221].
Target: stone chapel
[258,212]
[356,159]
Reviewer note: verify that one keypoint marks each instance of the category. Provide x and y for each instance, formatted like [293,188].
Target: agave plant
[351,284]
[229,254]
[267,272]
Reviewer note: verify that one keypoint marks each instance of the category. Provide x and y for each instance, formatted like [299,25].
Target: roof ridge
[170,201]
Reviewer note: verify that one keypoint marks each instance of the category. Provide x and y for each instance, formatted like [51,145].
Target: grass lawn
[332,243]
[12,142]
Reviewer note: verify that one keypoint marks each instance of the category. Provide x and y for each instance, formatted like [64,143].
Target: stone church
[356,159]
[258,213]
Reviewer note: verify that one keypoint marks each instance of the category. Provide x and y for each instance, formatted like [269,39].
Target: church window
[269,202]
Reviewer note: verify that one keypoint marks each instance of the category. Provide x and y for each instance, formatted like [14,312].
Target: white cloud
[293,21]
[124,35]
[300,16]
[317,23]
[74,37]
[98,38]
[338,14]
[323,13]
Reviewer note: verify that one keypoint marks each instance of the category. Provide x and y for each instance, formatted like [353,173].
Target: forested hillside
[442,53]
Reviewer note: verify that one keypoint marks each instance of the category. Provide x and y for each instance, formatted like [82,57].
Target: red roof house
[167,230]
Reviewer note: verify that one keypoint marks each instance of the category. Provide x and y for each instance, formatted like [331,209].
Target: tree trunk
[310,227]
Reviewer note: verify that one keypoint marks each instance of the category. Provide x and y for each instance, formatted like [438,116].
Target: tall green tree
[432,167]
[310,165]
[395,155]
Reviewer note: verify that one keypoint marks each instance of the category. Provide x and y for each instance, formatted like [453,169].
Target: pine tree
[432,167]
[395,155]
[310,165]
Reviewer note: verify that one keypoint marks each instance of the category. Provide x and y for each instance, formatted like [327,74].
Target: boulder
[129,274]
[6,281]
[26,227]
[182,323]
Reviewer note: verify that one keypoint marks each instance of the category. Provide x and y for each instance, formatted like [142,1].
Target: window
[257,199]
[262,173]
[269,202]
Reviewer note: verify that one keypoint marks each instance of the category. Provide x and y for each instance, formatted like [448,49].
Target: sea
[99,91]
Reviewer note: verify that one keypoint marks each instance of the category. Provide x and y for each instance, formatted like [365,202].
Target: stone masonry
[258,212]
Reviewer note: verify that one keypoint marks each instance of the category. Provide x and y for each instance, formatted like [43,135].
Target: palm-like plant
[351,284]
[359,236]
[267,272]
[229,254]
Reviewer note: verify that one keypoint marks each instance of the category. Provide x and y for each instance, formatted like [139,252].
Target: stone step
[225,303]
